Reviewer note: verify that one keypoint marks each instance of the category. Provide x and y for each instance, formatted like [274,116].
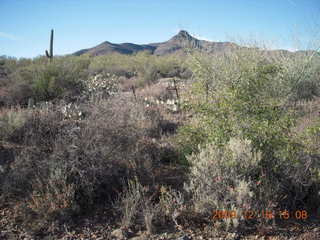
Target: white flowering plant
[102,83]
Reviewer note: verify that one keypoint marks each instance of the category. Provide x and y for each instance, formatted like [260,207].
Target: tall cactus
[50,56]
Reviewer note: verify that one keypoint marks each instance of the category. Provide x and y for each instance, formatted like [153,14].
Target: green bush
[301,76]
[148,68]
[61,77]
[11,121]
[222,178]
[114,64]
[238,102]
[44,81]
[245,101]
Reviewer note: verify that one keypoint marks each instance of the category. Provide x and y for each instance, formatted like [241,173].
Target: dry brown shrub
[156,91]
[90,157]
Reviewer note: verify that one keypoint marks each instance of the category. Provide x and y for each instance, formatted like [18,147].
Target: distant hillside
[108,47]
[176,44]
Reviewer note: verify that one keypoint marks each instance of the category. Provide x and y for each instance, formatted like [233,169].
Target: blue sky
[25,24]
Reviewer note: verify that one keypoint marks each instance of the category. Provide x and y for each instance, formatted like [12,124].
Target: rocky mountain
[108,47]
[184,40]
[174,45]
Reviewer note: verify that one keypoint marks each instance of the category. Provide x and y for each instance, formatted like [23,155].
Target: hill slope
[176,44]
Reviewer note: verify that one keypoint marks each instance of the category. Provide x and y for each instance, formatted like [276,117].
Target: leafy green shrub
[13,90]
[45,85]
[245,101]
[238,102]
[45,81]
[63,76]
[169,66]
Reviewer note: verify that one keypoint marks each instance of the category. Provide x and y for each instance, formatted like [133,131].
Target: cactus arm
[47,54]
[50,55]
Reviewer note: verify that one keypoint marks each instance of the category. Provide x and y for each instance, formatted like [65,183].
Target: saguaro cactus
[50,55]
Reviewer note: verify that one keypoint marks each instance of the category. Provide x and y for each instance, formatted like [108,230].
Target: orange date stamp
[266,214]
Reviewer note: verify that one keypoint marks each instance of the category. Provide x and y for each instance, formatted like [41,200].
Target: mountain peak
[183,34]
[182,40]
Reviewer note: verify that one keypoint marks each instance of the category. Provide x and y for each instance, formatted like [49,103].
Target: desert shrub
[311,136]
[45,86]
[59,78]
[246,101]
[13,91]
[150,74]
[172,204]
[169,66]
[11,121]
[39,128]
[150,68]
[129,203]
[15,94]
[186,73]
[305,90]
[155,91]
[44,81]
[36,132]
[53,196]
[137,206]
[76,166]
[301,76]
[232,178]
[221,178]
[240,101]
[119,65]
[147,67]
[10,64]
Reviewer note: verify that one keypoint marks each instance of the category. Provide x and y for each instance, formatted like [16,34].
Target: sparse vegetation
[75,140]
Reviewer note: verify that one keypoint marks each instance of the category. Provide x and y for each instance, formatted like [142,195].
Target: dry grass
[74,166]
[309,112]
[158,91]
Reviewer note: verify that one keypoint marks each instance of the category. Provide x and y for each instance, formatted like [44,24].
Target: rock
[119,234]
[231,235]
[142,237]
[184,238]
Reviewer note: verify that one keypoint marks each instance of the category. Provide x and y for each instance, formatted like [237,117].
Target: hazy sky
[25,24]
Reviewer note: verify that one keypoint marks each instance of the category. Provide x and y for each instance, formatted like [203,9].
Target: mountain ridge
[174,45]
